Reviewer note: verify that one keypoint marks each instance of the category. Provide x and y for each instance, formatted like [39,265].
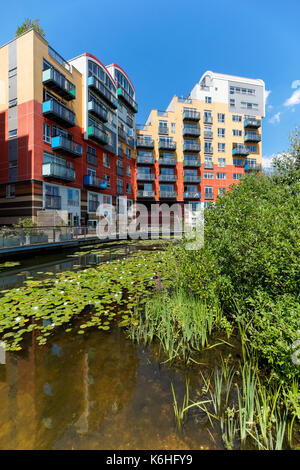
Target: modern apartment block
[67,133]
[195,149]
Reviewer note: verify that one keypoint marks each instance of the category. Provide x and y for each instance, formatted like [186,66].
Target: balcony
[191,131]
[208,134]
[190,147]
[164,130]
[252,122]
[129,121]
[98,135]
[56,111]
[191,195]
[191,162]
[97,110]
[67,146]
[145,159]
[168,194]
[141,176]
[122,135]
[52,202]
[252,137]
[167,161]
[143,142]
[166,145]
[145,194]
[52,170]
[94,182]
[57,82]
[190,115]
[207,119]
[98,87]
[165,178]
[241,150]
[252,167]
[127,99]
[191,179]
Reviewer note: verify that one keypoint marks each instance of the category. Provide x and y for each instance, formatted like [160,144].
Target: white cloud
[275,119]
[296,84]
[293,99]
[267,93]
[267,160]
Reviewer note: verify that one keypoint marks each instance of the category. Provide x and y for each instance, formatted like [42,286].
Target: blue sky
[166,45]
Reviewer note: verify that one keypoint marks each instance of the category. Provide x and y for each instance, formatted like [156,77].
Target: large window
[46,133]
[98,72]
[123,82]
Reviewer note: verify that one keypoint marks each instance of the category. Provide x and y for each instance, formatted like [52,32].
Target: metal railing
[141,193]
[144,142]
[100,88]
[141,176]
[168,178]
[55,109]
[56,80]
[53,170]
[145,159]
[62,143]
[191,115]
[59,58]
[167,194]
[128,98]
[98,110]
[167,161]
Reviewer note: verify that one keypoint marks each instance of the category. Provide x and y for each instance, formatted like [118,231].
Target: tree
[287,165]
[29,24]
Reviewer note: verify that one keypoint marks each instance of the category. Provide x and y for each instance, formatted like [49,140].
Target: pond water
[100,391]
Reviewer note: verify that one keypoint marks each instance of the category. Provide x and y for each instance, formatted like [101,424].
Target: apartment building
[67,133]
[194,150]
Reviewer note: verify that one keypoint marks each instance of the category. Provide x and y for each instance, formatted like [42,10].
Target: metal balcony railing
[167,194]
[191,147]
[97,110]
[56,111]
[168,178]
[66,145]
[127,98]
[97,134]
[57,82]
[192,162]
[191,179]
[240,150]
[252,122]
[208,165]
[146,194]
[166,145]
[98,87]
[252,137]
[163,130]
[191,131]
[94,182]
[143,142]
[167,161]
[190,115]
[144,159]
[52,170]
[141,176]
[191,195]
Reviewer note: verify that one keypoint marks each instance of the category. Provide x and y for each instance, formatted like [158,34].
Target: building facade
[67,139]
[199,146]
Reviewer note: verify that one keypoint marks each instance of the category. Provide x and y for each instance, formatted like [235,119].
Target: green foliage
[29,24]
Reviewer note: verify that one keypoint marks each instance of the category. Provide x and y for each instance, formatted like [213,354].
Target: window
[91,171]
[107,179]
[208,192]
[236,133]
[244,91]
[222,162]
[46,133]
[128,170]
[251,148]
[128,188]
[208,175]
[221,176]
[208,147]
[10,191]
[221,147]
[221,132]
[238,162]
[237,176]
[12,72]
[128,152]
[12,133]
[247,105]
[173,127]
[221,117]
[232,102]
[236,118]
[106,160]
[208,99]
[73,197]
